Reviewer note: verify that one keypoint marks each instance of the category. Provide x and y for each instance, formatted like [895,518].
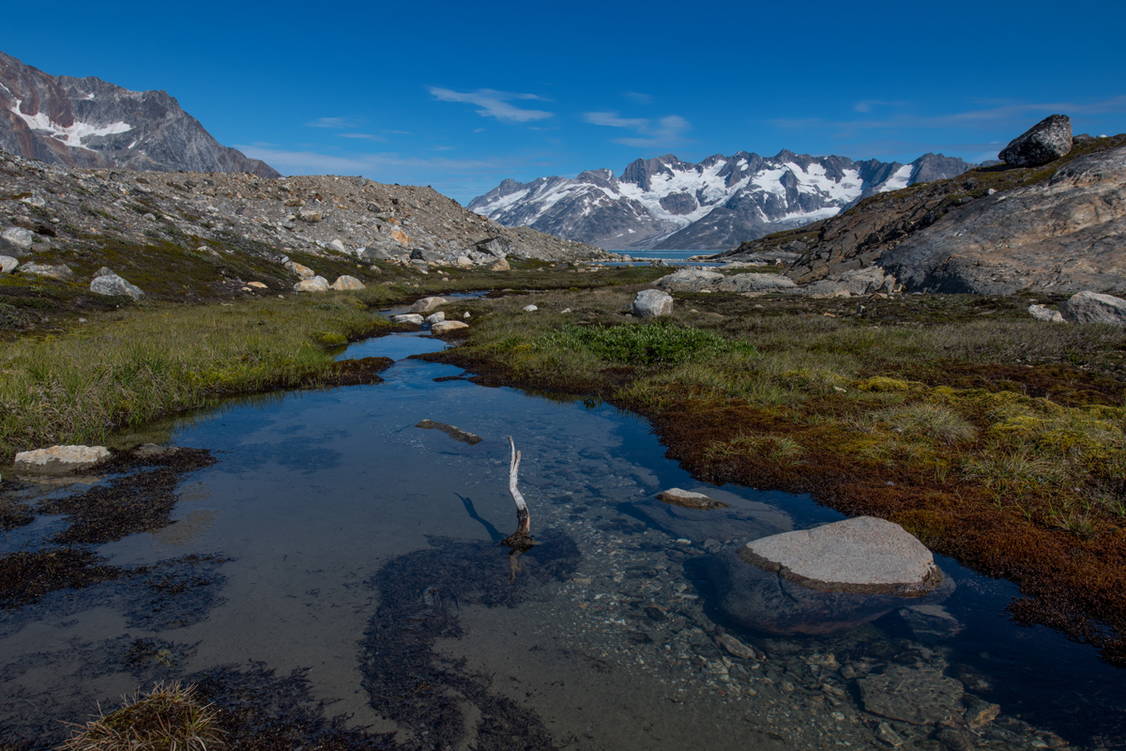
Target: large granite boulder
[866,281]
[752,283]
[58,460]
[1091,307]
[8,264]
[1044,142]
[106,282]
[690,280]
[346,283]
[828,578]
[652,303]
[18,239]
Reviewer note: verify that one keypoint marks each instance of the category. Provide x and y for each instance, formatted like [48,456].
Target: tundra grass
[128,367]
[885,406]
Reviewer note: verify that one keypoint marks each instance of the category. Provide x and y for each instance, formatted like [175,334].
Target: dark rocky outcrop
[1044,142]
[87,122]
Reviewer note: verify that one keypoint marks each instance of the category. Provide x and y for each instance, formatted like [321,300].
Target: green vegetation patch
[657,343]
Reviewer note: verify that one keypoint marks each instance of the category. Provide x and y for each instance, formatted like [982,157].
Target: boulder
[1044,142]
[61,459]
[311,216]
[1092,307]
[864,554]
[494,246]
[436,317]
[501,264]
[828,578]
[690,280]
[338,245]
[60,271]
[346,283]
[18,238]
[316,284]
[8,264]
[652,303]
[427,304]
[413,319]
[445,327]
[108,283]
[463,262]
[302,271]
[755,283]
[530,308]
[690,499]
[1044,313]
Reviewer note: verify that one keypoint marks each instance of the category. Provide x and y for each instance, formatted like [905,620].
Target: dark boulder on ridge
[1044,142]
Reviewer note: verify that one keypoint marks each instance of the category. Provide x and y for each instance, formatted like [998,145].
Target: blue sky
[461,95]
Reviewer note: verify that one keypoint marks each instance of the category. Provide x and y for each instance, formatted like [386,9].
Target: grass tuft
[169,717]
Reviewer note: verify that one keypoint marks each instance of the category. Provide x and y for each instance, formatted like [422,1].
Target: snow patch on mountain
[719,202]
[72,135]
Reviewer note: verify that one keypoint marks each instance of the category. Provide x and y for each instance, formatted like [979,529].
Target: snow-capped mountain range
[87,122]
[717,203]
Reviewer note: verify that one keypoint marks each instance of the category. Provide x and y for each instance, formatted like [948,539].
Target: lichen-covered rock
[61,459]
[652,303]
[1044,313]
[8,264]
[436,317]
[18,238]
[1092,307]
[427,305]
[1044,142]
[346,283]
[58,271]
[690,280]
[753,283]
[316,284]
[409,319]
[302,271]
[106,282]
[445,327]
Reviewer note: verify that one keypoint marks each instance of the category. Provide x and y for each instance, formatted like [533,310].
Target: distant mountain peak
[665,202]
[88,122]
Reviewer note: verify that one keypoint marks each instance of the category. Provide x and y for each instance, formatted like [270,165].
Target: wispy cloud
[333,122]
[362,136]
[665,131]
[996,113]
[495,104]
[638,96]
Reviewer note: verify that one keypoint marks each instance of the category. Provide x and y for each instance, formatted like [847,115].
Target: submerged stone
[690,499]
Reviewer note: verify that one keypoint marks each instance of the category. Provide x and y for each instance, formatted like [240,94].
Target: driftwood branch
[521,539]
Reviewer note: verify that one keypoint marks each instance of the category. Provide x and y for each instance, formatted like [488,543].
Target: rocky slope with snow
[717,203]
[87,122]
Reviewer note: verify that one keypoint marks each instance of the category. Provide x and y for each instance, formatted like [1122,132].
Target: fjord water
[345,533]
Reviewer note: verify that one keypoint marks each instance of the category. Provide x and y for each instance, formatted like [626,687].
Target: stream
[341,557]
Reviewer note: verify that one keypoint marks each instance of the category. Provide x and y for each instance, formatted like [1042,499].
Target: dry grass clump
[169,717]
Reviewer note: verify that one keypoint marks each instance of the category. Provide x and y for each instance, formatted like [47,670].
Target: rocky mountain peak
[88,122]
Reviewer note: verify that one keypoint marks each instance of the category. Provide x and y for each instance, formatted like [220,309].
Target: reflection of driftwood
[521,539]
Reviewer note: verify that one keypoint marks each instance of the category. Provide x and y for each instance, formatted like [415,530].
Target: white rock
[344,283]
[338,245]
[1044,313]
[19,237]
[691,280]
[316,284]
[529,308]
[436,317]
[427,304]
[8,264]
[409,318]
[652,303]
[256,285]
[1092,307]
[58,271]
[864,554]
[61,459]
[445,327]
[110,284]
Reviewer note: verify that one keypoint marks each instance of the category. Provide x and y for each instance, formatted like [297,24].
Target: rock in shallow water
[827,579]
[413,319]
[689,499]
[919,696]
[427,304]
[61,459]
[445,327]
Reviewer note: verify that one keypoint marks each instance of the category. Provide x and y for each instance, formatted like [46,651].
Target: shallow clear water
[362,549]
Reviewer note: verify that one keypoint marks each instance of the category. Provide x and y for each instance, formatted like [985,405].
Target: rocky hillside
[87,122]
[1054,226]
[723,200]
[181,235]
